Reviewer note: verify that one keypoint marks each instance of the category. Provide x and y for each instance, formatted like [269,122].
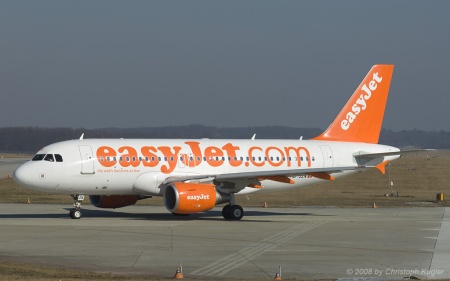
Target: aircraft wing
[282,173]
[234,182]
[362,154]
[364,158]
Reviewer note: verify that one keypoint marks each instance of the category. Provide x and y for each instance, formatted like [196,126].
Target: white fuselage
[140,166]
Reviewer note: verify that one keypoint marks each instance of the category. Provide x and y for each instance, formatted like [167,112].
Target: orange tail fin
[362,116]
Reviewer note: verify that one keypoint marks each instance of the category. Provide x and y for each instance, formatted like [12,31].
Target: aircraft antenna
[82,136]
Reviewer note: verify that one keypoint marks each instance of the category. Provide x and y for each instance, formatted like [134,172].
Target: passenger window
[49,157]
[38,157]
[59,158]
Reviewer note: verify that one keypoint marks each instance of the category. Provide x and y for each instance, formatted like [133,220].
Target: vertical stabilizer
[362,116]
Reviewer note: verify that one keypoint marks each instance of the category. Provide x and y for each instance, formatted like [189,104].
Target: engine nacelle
[189,198]
[113,201]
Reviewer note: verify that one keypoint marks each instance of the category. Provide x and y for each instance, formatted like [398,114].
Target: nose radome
[22,174]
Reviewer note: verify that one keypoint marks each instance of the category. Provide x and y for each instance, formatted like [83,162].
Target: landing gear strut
[232,211]
[76,212]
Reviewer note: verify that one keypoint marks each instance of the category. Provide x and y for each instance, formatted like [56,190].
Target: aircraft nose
[22,174]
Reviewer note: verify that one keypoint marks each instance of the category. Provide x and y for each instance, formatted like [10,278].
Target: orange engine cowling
[189,198]
[113,201]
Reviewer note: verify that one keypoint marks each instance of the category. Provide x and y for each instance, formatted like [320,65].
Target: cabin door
[87,159]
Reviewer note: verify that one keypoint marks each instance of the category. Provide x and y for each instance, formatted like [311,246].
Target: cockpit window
[49,157]
[58,158]
[38,157]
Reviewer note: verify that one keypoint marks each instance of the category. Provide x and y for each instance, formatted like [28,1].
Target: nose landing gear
[76,212]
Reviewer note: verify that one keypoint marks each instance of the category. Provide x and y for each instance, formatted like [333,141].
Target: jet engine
[113,201]
[189,198]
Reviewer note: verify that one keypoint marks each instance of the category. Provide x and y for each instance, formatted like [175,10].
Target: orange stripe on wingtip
[361,118]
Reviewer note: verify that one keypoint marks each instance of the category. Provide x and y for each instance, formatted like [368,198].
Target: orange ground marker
[178,274]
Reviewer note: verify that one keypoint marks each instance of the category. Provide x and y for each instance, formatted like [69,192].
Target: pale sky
[96,64]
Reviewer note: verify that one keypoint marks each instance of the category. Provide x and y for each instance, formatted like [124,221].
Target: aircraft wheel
[226,212]
[75,214]
[236,212]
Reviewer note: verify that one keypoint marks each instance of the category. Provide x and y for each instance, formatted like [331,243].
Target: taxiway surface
[307,242]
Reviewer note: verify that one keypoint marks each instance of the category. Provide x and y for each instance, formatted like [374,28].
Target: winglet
[362,116]
[382,167]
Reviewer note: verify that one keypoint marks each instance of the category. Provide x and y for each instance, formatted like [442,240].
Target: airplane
[195,175]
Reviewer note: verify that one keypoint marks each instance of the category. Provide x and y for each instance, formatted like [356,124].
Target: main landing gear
[232,211]
[76,212]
